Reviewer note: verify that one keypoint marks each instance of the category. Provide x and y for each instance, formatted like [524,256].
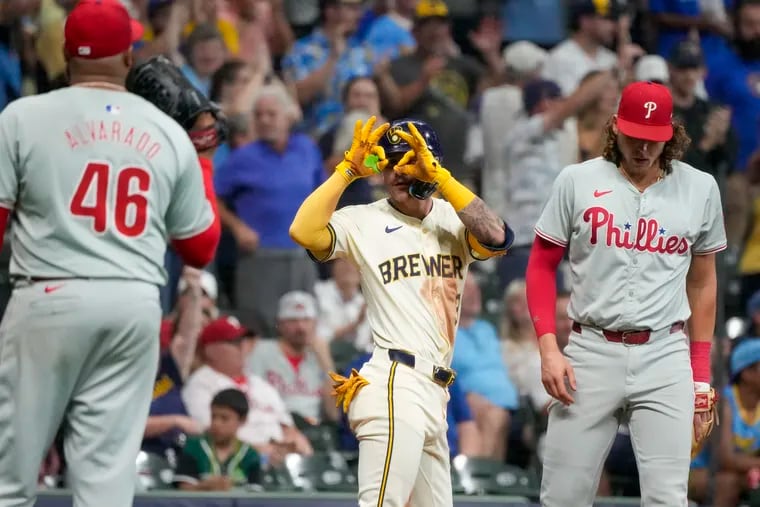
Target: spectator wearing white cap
[196,306]
[535,153]
[652,68]
[290,363]
[499,108]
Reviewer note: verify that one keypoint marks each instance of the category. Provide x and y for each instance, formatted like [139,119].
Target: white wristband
[701,387]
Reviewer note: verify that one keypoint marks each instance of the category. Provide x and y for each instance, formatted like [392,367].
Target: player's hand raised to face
[364,157]
[555,368]
[419,162]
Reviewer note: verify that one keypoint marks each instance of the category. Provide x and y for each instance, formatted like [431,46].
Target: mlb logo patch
[113,109]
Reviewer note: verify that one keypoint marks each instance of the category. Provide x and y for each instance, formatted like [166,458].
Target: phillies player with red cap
[641,230]
[97,181]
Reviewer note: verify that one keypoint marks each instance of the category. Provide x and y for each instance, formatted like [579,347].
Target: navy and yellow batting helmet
[395,147]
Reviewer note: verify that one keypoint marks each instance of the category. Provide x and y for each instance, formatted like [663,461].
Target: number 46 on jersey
[113,199]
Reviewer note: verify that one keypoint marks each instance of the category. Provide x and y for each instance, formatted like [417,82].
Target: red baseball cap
[646,112]
[99,29]
[223,329]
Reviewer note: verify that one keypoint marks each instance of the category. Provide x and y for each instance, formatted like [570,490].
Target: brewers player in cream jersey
[641,230]
[413,252]
[95,180]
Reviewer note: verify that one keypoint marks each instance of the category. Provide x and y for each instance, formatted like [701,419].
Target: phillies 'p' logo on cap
[646,112]
[650,106]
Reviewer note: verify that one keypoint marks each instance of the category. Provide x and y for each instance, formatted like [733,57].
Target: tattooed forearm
[483,223]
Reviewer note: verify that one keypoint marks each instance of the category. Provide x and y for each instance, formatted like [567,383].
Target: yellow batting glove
[364,158]
[420,163]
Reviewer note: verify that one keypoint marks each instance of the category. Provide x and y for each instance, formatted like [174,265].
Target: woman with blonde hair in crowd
[520,347]
[592,120]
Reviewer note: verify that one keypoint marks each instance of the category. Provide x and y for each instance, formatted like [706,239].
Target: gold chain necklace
[625,175]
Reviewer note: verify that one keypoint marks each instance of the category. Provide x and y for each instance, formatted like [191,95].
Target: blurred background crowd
[516,90]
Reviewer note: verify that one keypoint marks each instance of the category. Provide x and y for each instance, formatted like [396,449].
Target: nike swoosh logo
[389,230]
[52,288]
[598,193]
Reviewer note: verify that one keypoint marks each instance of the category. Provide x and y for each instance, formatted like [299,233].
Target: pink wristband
[700,361]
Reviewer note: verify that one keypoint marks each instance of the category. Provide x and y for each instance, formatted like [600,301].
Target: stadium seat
[753,498]
[277,480]
[480,476]
[493,298]
[323,472]
[322,437]
[343,353]
[154,472]
[456,482]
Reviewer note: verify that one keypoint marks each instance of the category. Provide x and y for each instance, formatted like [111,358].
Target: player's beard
[749,49]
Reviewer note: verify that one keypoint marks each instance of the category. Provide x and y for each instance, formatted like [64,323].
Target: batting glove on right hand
[419,162]
[364,157]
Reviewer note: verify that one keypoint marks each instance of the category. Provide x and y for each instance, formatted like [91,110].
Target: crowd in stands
[516,90]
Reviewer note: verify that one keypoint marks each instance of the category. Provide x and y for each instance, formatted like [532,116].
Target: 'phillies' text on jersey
[411,265]
[649,235]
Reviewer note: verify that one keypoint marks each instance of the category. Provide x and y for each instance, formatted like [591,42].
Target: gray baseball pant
[650,386]
[83,353]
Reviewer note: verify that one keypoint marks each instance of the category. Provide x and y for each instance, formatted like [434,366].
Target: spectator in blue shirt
[482,374]
[390,35]
[323,61]
[675,19]
[260,188]
[734,81]
[205,54]
[462,435]
[10,76]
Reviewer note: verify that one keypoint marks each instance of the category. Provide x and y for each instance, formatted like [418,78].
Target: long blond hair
[508,328]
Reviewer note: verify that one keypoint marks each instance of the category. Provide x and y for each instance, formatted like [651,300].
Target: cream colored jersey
[412,273]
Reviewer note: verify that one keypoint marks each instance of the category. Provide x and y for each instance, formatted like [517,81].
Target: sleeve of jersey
[8,159]
[712,234]
[482,252]
[198,248]
[556,221]
[343,232]
[541,284]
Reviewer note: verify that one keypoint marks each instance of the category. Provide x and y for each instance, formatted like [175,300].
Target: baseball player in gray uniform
[641,230]
[96,181]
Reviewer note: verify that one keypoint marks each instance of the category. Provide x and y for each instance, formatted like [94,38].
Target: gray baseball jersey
[630,251]
[299,386]
[99,180]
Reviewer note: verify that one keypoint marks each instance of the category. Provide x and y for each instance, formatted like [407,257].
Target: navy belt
[442,376]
